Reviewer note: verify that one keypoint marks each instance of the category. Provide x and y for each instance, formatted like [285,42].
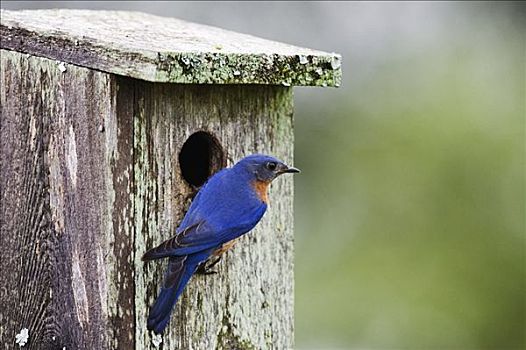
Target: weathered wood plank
[27,238]
[62,211]
[164,49]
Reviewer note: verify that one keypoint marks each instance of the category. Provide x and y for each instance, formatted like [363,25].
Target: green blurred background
[410,211]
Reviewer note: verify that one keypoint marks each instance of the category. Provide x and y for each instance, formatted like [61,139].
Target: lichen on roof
[161,49]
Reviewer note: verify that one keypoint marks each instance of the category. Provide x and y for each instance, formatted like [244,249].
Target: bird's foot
[205,268]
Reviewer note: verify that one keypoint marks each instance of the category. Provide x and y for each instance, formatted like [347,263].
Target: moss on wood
[164,49]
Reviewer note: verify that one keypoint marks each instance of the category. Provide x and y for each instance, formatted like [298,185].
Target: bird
[227,206]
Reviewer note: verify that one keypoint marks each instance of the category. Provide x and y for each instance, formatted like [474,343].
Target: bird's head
[264,168]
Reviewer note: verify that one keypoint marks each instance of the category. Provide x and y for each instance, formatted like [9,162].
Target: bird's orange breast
[261,189]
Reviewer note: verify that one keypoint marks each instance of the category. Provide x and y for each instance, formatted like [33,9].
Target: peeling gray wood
[161,49]
[63,219]
[79,207]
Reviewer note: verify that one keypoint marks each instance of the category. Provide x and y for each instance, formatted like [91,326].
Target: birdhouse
[111,122]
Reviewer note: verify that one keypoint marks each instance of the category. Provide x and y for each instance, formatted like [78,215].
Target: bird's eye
[271,166]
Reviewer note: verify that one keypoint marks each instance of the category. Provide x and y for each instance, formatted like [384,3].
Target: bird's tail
[180,269]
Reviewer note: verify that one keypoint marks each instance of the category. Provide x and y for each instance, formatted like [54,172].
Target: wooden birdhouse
[110,123]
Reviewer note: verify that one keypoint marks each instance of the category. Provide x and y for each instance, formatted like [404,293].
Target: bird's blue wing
[192,242]
[168,247]
[223,209]
[201,236]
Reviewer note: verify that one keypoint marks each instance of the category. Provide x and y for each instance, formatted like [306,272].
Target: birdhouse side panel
[67,220]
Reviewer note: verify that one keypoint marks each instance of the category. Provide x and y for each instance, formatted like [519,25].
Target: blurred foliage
[410,207]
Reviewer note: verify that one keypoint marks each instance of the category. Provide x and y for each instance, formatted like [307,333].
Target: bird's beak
[288,169]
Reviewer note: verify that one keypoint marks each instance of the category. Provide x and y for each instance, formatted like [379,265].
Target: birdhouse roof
[161,49]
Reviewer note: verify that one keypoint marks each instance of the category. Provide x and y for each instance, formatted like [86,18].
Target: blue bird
[228,205]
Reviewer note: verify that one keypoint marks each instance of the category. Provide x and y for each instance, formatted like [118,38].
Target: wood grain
[62,213]
[90,180]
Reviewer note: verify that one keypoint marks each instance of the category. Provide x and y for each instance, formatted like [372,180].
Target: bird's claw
[205,268]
